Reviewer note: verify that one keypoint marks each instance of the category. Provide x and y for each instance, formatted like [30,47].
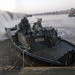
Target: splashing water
[6,22]
[9,20]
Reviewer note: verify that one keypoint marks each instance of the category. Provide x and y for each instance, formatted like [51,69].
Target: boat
[45,48]
[71,15]
[72,12]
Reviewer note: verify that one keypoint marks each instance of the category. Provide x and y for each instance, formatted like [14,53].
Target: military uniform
[24,26]
[37,25]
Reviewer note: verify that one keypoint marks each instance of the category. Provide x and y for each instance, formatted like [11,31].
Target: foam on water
[63,32]
[6,22]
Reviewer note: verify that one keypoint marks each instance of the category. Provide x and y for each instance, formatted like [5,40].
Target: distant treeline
[54,13]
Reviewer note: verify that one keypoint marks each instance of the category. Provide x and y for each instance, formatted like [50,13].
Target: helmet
[24,19]
[39,19]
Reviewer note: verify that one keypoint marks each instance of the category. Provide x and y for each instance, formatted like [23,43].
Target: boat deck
[54,52]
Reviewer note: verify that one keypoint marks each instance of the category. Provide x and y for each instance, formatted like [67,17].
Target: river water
[64,24]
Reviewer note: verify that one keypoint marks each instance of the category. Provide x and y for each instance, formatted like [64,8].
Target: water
[63,23]
[55,20]
[6,22]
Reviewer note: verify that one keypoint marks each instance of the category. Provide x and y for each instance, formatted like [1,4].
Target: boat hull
[37,60]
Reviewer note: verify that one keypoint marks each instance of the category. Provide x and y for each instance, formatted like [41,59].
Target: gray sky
[36,6]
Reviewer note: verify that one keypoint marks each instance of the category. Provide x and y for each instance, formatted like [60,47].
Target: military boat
[45,48]
[71,15]
[72,12]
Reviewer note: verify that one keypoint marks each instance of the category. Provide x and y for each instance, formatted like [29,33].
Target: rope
[23,57]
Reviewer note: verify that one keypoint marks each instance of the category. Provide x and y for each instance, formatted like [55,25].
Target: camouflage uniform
[37,25]
[24,25]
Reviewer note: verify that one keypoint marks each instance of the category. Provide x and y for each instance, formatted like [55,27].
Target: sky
[36,6]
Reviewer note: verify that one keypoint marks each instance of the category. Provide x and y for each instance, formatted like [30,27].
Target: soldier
[24,25]
[37,25]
